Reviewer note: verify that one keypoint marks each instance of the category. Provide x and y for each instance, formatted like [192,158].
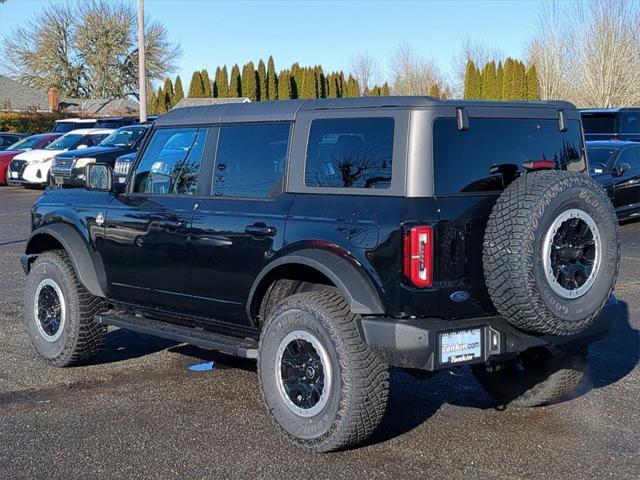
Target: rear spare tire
[550,253]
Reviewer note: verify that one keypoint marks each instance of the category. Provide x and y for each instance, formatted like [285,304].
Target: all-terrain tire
[514,250]
[79,337]
[539,377]
[359,389]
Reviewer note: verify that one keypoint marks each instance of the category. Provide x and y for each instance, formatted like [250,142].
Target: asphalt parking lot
[140,413]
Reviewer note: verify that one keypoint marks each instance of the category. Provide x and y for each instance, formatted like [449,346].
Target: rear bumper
[415,343]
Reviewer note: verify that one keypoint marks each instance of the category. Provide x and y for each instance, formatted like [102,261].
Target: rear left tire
[323,387]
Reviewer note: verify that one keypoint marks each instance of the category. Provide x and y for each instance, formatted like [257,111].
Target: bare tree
[588,53]
[412,74]
[87,49]
[607,60]
[551,52]
[475,51]
[365,69]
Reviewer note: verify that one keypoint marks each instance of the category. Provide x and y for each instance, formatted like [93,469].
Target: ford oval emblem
[459,296]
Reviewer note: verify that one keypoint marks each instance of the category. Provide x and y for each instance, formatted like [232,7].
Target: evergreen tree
[206,84]
[167,89]
[499,81]
[309,84]
[249,82]
[284,85]
[472,81]
[385,91]
[195,88]
[262,81]
[222,82]
[161,106]
[178,91]
[489,82]
[508,79]
[272,80]
[533,90]
[152,101]
[235,86]
[519,81]
[332,86]
[353,88]
[434,90]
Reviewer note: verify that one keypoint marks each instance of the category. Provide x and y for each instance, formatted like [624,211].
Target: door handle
[172,225]
[260,230]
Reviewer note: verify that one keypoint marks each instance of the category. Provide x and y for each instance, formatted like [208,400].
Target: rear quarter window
[350,153]
[490,154]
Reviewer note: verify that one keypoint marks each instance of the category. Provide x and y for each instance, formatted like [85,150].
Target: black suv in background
[616,166]
[68,167]
[331,239]
[611,124]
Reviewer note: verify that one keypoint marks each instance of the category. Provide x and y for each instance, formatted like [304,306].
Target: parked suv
[67,168]
[611,124]
[331,239]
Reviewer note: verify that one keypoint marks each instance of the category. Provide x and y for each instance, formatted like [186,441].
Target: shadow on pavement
[412,401]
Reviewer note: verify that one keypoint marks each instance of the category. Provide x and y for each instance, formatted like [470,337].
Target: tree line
[262,84]
[509,81]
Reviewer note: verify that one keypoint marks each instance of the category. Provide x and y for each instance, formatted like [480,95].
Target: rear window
[599,123]
[490,154]
[350,153]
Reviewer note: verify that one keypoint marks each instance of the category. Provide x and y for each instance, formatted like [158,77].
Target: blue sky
[325,32]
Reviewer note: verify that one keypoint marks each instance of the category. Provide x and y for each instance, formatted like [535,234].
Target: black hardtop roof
[611,143]
[610,110]
[286,110]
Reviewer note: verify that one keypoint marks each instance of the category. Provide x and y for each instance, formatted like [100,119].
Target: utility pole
[142,75]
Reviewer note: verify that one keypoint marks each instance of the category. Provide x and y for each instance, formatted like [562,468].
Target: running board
[239,347]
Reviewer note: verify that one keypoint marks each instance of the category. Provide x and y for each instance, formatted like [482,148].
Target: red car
[23,145]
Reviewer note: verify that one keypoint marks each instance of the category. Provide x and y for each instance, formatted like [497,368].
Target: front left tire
[323,387]
[59,312]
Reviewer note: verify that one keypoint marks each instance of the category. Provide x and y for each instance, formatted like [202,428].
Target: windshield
[599,122]
[28,143]
[123,137]
[64,127]
[599,158]
[69,140]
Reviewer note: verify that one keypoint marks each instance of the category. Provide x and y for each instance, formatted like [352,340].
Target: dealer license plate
[460,346]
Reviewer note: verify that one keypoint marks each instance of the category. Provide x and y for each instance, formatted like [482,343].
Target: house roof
[200,102]
[16,96]
[99,107]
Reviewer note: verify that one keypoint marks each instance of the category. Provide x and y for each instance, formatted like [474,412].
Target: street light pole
[142,76]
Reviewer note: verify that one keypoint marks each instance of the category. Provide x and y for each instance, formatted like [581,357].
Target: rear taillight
[418,256]
[539,164]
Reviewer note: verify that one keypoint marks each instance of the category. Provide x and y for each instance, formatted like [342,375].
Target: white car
[32,168]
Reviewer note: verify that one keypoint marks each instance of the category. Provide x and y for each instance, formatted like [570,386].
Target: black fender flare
[353,284]
[88,266]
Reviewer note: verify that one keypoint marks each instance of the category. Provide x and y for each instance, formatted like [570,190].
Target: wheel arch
[353,284]
[88,267]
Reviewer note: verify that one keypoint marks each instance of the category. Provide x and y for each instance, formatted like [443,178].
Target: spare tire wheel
[550,253]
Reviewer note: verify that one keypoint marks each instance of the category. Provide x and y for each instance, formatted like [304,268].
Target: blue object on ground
[202,367]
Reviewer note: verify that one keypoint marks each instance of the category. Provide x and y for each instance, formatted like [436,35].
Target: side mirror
[621,169]
[98,176]
[80,147]
[598,167]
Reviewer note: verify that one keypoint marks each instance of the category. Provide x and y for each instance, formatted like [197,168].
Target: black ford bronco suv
[331,239]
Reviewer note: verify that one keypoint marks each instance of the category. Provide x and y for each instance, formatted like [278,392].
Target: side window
[630,156]
[171,162]
[251,160]
[630,123]
[350,153]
